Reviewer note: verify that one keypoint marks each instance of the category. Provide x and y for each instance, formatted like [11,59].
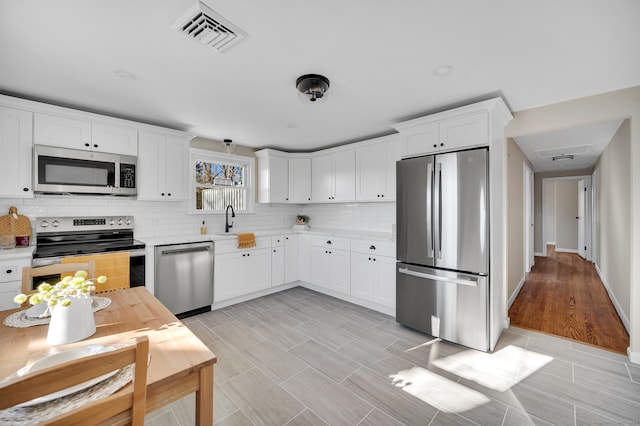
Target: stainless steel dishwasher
[184,277]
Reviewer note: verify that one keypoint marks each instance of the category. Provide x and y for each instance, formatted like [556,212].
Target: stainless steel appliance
[442,284]
[184,277]
[73,171]
[58,237]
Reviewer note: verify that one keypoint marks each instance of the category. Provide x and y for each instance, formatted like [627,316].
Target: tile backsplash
[160,219]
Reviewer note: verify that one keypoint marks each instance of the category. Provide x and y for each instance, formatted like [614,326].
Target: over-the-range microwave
[73,171]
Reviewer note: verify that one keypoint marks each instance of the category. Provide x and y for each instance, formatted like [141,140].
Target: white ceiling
[585,143]
[379,56]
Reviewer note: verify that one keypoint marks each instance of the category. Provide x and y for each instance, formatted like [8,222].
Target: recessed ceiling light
[125,75]
[443,70]
[292,125]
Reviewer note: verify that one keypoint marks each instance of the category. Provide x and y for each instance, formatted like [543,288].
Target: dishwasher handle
[470,281]
[185,250]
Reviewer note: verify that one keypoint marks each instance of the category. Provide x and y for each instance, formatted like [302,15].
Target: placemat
[18,416]
[20,319]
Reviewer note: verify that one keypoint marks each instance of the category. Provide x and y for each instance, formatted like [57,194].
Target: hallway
[564,296]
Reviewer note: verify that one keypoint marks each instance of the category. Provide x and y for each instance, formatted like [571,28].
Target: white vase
[71,323]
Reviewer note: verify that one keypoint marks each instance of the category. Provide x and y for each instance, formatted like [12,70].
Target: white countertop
[345,233]
[17,253]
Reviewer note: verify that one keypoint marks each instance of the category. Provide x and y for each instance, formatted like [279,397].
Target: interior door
[582,202]
[528,218]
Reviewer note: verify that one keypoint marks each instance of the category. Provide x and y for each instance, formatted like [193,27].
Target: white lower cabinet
[11,281]
[373,271]
[291,258]
[373,278]
[277,260]
[330,264]
[241,272]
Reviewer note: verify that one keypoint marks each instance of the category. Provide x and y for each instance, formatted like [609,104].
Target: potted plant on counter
[302,222]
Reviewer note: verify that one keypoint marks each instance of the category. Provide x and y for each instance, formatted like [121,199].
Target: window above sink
[218,180]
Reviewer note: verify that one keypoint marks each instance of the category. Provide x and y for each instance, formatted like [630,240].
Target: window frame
[196,154]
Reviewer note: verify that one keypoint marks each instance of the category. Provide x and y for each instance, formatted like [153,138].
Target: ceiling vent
[208,28]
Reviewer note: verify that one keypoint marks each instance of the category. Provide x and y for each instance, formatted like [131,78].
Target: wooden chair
[127,406]
[28,273]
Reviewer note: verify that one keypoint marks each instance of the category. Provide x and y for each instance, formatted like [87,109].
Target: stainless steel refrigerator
[442,278]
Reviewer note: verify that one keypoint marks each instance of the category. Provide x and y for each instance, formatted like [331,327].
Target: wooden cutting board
[15,224]
[115,266]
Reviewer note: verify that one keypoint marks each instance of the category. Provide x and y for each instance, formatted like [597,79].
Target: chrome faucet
[233,214]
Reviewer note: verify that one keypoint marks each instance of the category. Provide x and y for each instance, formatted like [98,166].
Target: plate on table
[59,358]
[36,310]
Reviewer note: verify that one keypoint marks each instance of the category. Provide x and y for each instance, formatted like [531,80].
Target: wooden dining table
[179,364]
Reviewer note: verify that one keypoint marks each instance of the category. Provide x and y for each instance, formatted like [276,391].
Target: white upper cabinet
[162,173]
[333,176]
[273,176]
[74,133]
[16,139]
[376,169]
[443,132]
[115,139]
[299,179]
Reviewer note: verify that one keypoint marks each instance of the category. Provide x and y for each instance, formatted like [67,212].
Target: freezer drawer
[449,305]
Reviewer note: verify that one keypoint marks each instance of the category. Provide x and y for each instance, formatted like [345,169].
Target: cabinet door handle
[169,194]
[87,145]
[441,143]
[95,145]
[274,250]
[328,241]
[372,247]
[162,194]
[9,271]
[25,189]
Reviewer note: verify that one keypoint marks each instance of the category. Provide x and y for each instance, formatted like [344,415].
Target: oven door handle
[44,261]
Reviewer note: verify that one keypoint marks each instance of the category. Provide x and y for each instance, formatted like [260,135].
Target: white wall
[377,217]
[160,219]
[613,219]
[151,218]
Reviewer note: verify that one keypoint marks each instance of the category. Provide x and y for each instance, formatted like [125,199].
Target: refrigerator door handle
[437,223]
[429,205]
[470,282]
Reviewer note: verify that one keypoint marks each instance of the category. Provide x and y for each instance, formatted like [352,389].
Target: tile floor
[302,358]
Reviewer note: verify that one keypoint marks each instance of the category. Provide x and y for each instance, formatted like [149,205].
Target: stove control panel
[65,224]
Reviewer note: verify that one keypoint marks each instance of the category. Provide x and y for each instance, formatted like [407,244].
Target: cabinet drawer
[330,242]
[231,245]
[380,248]
[277,241]
[12,270]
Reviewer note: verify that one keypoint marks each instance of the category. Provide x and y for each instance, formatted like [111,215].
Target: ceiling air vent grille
[208,28]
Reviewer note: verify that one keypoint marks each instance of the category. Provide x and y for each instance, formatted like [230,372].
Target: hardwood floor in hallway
[564,296]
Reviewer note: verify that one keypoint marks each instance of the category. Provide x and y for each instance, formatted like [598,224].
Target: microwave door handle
[429,212]
[437,211]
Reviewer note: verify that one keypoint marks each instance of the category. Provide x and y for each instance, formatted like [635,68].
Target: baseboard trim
[247,297]
[564,250]
[634,357]
[551,243]
[539,254]
[513,296]
[616,304]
